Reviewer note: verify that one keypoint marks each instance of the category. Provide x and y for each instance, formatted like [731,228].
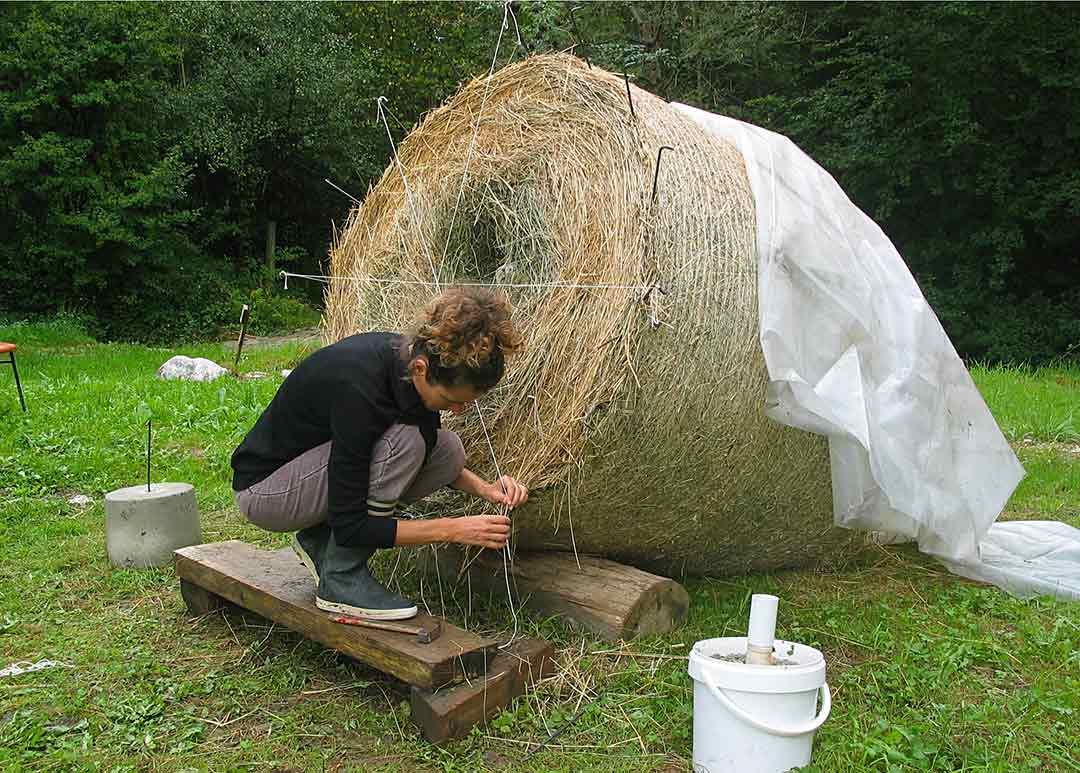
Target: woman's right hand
[487,531]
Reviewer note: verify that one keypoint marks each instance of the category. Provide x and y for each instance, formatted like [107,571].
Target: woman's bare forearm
[424,532]
[488,531]
[471,483]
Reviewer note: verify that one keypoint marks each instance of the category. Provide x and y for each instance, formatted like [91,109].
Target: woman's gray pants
[294,496]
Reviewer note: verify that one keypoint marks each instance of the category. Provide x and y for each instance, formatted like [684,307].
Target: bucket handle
[787,732]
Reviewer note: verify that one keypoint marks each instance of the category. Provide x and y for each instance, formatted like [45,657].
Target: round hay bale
[636,412]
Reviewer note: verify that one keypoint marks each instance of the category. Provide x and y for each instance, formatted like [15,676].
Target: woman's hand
[487,531]
[506,491]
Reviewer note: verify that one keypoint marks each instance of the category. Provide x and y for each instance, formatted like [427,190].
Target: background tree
[145,148]
[95,208]
[271,99]
[953,125]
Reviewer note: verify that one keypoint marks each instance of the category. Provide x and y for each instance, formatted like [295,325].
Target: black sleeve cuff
[366,532]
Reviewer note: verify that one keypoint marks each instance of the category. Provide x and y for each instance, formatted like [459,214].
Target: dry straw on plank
[644,444]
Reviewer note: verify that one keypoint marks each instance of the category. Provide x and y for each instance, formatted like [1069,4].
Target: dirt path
[311,334]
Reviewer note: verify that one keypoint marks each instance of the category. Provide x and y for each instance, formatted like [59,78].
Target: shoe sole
[372,614]
[305,559]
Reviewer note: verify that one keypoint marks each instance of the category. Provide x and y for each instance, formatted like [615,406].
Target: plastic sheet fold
[854,352]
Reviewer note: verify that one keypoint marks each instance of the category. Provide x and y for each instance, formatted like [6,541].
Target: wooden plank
[612,600]
[276,585]
[453,712]
[200,601]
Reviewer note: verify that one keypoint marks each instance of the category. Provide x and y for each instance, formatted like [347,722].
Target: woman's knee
[401,444]
[452,451]
[397,457]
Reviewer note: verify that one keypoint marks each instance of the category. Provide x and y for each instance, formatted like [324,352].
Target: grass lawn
[928,671]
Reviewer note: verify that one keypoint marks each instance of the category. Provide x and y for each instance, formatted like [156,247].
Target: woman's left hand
[506,491]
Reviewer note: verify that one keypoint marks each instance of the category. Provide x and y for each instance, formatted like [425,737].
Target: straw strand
[506,548]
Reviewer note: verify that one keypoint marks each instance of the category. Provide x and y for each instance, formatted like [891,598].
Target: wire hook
[577,35]
[656,172]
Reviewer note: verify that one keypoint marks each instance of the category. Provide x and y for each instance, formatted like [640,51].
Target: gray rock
[80,500]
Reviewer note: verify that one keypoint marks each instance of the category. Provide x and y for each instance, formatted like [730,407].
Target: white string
[341,190]
[25,667]
[476,127]
[326,279]
[517,30]
[438,576]
[506,548]
[408,194]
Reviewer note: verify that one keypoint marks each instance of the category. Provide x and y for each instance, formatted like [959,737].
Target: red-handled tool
[423,634]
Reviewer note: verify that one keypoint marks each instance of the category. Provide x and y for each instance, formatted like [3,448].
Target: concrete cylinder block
[143,528]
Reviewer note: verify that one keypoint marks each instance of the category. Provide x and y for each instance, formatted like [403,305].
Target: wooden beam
[275,585]
[200,601]
[612,600]
[451,713]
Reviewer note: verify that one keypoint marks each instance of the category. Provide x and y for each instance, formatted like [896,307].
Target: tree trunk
[271,248]
[612,600]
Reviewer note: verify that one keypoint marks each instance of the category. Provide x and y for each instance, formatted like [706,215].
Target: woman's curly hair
[467,335]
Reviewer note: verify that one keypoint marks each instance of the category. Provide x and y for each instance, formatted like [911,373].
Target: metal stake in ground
[566,726]
[148,438]
[244,315]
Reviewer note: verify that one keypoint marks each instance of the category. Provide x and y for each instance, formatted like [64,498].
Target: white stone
[190,369]
[80,500]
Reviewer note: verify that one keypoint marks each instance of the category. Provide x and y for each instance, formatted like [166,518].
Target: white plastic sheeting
[854,352]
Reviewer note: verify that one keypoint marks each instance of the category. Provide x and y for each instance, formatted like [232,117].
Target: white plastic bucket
[756,719]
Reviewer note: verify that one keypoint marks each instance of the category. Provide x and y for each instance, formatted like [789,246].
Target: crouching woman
[354,431]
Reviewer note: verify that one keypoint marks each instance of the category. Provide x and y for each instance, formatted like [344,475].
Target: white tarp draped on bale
[854,352]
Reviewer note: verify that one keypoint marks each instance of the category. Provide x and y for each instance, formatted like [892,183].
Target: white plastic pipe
[762,631]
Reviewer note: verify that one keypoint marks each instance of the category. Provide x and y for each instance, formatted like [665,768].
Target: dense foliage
[159,161]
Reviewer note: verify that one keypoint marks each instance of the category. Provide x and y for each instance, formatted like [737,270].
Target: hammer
[423,634]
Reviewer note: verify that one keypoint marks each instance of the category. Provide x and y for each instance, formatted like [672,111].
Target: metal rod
[577,35]
[18,384]
[656,172]
[629,98]
[149,438]
[564,728]
[244,314]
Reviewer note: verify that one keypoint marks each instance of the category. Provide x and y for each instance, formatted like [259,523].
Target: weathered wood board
[612,600]
[451,713]
[275,585]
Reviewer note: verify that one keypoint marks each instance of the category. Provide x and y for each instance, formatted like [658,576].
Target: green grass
[1039,412]
[63,330]
[1037,404]
[929,672]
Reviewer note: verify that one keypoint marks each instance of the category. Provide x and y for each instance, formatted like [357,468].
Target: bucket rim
[807,672]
